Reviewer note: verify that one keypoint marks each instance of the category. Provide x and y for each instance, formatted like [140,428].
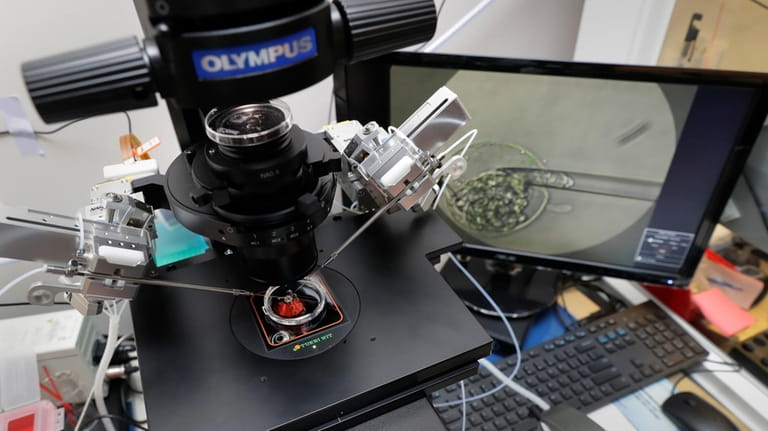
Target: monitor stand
[521,292]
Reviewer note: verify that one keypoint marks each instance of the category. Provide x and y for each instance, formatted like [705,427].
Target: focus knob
[376,27]
[105,78]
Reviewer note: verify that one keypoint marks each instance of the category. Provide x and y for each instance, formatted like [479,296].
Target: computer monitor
[597,168]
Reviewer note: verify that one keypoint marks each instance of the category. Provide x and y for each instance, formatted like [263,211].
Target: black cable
[736,368]
[124,403]
[111,416]
[17,304]
[69,123]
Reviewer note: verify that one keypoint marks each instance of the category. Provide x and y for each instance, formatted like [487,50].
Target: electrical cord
[495,306]
[437,17]
[69,123]
[20,278]
[736,367]
[21,304]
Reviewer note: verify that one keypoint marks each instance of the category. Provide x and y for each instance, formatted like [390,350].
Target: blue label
[256,58]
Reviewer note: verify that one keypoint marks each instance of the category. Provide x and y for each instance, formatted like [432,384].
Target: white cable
[81,222]
[440,192]
[113,310]
[513,385]
[20,278]
[437,43]
[471,133]
[496,308]
[463,407]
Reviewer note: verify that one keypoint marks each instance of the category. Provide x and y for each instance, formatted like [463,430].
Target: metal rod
[151,282]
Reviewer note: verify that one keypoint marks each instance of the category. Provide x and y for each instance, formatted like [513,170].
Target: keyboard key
[620,383]
[500,423]
[610,348]
[523,412]
[595,355]
[486,415]
[451,388]
[606,376]
[528,425]
[474,419]
[581,334]
[566,393]
[584,346]
[598,365]
[498,411]
[636,377]
[595,394]
[673,359]
[451,415]
[511,418]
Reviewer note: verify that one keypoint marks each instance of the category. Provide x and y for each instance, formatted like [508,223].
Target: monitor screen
[605,169]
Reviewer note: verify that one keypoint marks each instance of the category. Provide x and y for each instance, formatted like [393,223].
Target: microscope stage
[412,334]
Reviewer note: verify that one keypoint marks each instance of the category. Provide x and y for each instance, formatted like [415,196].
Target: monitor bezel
[362,92]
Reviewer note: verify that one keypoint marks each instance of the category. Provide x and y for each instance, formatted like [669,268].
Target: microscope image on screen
[563,166]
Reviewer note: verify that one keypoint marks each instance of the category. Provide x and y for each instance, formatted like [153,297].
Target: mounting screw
[40,297]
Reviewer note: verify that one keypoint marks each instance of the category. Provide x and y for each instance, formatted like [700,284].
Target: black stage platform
[413,333]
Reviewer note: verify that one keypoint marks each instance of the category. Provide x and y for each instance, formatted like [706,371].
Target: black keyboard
[587,368]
